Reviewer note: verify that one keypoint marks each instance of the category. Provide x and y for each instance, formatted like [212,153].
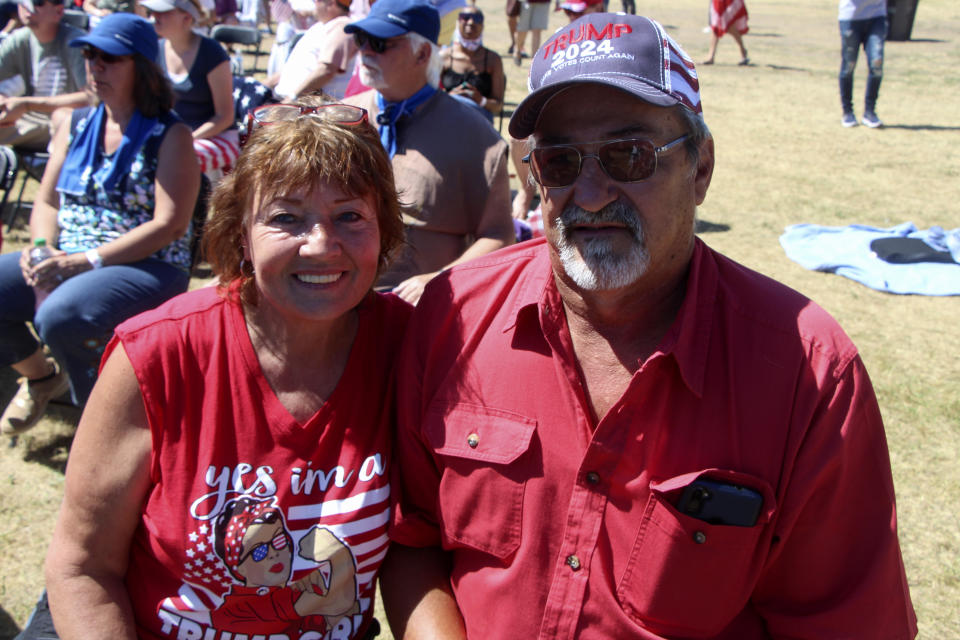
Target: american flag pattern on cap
[632,53]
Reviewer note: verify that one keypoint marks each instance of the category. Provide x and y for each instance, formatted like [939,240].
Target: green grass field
[782,158]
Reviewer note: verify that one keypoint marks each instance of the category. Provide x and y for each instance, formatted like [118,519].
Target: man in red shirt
[615,431]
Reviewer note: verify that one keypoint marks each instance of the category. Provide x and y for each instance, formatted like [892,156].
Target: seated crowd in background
[116,201]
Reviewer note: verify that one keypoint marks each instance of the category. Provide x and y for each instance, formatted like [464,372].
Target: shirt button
[593,478]
[699,537]
[473,440]
[574,562]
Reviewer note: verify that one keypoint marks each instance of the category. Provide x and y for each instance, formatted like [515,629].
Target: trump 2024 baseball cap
[631,53]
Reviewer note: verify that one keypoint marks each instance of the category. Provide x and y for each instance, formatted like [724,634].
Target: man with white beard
[617,432]
[450,165]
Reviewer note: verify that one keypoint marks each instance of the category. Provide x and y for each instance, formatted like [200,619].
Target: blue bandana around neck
[390,112]
[86,153]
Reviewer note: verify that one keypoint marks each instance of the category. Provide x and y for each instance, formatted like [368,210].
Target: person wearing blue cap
[50,73]
[449,162]
[114,206]
[617,432]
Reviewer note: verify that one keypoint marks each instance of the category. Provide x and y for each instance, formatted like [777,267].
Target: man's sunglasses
[342,114]
[377,45]
[627,160]
[259,552]
[476,17]
[92,53]
[39,3]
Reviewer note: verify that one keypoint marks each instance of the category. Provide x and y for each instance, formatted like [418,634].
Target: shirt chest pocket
[486,454]
[687,577]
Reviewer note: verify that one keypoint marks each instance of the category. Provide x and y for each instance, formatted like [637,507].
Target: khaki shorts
[533,16]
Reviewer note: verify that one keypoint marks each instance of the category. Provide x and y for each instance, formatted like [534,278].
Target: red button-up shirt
[562,528]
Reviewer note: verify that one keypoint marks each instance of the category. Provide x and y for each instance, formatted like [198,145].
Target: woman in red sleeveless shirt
[230,474]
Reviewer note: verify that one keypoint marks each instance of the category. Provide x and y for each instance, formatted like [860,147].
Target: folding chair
[230,34]
[33,163]
[199,220]
[79,19]
[9,165]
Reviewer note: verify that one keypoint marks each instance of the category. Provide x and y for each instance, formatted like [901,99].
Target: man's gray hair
[697,130]
[435,65]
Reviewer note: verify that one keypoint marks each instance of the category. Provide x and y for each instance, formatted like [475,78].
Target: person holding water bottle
[113,210]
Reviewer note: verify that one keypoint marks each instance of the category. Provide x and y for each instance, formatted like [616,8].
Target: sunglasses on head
[377,45]
[39,3]
[476,17]
[342,114]
[92,53]
[259,552]
[626,160]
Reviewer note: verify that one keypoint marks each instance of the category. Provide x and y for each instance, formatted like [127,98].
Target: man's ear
[423,54]
[703,172]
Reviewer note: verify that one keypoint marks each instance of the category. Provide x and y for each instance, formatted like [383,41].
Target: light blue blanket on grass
[846,252]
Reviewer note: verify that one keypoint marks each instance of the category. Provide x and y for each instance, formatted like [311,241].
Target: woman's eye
[281,217]
[349,216]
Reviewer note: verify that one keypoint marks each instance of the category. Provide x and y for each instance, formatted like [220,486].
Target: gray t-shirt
[22,54]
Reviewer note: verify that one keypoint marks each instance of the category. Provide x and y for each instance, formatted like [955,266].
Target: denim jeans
[78,317]
[870,34]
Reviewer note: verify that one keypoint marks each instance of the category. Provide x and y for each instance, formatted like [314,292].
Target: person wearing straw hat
[617,432]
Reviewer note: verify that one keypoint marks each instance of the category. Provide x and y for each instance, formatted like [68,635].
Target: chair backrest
[9,164]
[235,34]
[199,220]
[79,19]
[293,42]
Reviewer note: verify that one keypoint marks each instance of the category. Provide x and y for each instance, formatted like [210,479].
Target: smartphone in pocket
[721,503]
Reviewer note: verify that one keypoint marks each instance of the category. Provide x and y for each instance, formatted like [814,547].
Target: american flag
[680,73]
[280,10]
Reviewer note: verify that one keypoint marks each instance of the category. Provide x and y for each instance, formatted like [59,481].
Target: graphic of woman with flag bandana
[255,546]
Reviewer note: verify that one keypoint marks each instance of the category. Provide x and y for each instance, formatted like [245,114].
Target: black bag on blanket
[901,250]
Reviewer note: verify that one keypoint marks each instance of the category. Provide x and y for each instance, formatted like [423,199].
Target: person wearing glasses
[230,475]
[618,432]
[39,73]
[451,165]
[471,72]
[324,58]
[115,205]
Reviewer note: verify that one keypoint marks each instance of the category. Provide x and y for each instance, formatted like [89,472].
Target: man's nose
[593,189]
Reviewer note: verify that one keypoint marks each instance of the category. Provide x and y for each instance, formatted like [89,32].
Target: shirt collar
[688,338]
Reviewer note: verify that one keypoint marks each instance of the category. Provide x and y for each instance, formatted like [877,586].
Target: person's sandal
[28,406]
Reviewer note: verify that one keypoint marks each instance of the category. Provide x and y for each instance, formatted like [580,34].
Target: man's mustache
[617,212]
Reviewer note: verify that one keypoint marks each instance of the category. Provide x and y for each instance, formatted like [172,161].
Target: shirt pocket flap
[478,433]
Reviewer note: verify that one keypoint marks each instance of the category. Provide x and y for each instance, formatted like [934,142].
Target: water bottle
[38,254]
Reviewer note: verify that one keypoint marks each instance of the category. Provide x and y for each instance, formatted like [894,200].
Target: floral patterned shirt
[99,216]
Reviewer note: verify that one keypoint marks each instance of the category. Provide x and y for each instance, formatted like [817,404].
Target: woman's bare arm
[108,477]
